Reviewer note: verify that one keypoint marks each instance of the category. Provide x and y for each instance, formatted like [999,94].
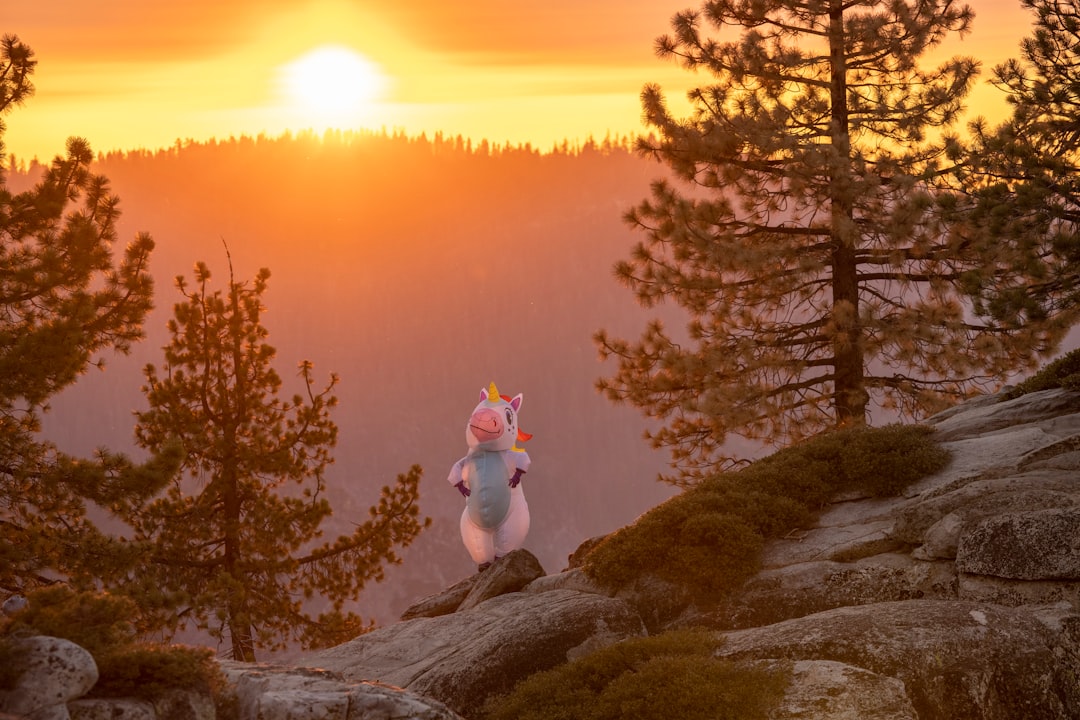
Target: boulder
[507,574]
[1034,490]
[1035,545]
[13,604]
[803,589]
[442,603]
[836,542]
[572,579]
[114,709]
[184,704]
[269,692]
[1017,593]
[55,671]
[466,657]
[989,415]
[827,690]
[956,659]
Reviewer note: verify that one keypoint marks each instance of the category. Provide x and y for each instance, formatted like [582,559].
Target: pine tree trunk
[239,622]
[243,645]
[850,397]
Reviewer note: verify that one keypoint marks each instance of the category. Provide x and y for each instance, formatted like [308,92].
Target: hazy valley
[419,270]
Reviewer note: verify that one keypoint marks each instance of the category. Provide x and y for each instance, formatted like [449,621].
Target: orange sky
[141,73]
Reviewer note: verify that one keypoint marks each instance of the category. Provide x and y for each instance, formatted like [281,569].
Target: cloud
[485,31]
[124,30]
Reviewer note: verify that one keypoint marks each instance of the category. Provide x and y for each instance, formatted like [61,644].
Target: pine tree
[233,542]
[803,232]
[1022,178]
[63,302]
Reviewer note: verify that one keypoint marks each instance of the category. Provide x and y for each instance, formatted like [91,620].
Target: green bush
[887,460]
[803,479]
[1064,372]
[670,675]
[146,671]
[709,537]
[100,623]
[97,622]
[690,539]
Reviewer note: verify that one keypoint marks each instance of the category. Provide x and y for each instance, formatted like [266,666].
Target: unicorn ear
[516,402]
[483,394]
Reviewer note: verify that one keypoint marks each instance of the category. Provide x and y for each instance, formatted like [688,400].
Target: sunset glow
[332,85]
[142,75]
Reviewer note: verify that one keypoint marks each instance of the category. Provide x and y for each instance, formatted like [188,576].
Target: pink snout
[486,424]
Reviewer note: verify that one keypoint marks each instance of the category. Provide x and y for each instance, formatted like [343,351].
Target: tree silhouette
[806,237]
[233,544]
[63,301]
[1022,178]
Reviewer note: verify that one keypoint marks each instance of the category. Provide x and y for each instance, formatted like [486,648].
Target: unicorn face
[493,424]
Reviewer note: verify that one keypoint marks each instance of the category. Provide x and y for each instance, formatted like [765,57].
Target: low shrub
[1064,372]
[100,623]
[691,539]
[709,537]
[147,671]
[97,622]
[885,461]
[674,674]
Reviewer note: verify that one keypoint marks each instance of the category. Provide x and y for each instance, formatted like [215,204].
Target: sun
[332,83]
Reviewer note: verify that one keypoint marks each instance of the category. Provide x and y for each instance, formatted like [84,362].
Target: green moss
[1064,372]
[709,538]
[671,675]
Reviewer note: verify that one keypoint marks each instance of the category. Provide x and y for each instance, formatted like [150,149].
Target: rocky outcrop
[960,599]
[833,690]
[268,692]
[955,659]
[464,658]
[1010,497]
[509,574]
[178,704]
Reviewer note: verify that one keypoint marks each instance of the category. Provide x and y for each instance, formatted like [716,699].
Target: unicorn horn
[493,392]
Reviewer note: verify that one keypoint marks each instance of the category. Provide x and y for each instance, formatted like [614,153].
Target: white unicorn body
[496,517]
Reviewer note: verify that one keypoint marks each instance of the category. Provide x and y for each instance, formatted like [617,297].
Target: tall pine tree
[1022,178]
[233,543]
[802,233]
[64,301]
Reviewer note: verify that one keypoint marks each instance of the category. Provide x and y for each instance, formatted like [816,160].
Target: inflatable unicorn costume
[496,516]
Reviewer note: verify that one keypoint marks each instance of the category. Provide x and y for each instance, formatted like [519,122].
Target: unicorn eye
[509,418]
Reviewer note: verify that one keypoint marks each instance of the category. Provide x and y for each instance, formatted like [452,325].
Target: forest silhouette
[418,269]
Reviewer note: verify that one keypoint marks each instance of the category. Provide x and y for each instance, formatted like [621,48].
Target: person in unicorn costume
[496,517]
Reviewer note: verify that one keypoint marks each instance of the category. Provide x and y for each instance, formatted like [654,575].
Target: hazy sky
[138,73]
